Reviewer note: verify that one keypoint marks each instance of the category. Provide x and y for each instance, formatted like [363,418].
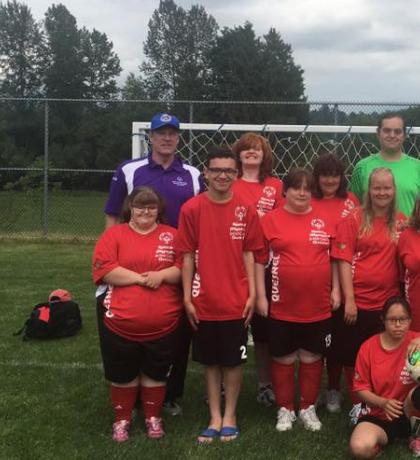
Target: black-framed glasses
[147,208]
[398,320]
[229,172]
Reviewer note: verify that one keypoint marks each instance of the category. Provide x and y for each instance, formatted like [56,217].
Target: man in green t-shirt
[391,133]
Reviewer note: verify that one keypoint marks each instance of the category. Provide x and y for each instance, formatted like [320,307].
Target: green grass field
[71,215]
[54,400]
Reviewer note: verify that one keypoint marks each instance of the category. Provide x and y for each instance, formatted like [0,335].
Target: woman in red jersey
[330,195]
[300,310]
[366,248]
[383,383]
[138,315]
[257,187]
[409,254]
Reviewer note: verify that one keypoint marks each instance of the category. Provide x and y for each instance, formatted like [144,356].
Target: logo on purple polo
[166,237]
[180,182]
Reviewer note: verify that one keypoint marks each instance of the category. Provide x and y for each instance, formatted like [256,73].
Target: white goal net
[293,145]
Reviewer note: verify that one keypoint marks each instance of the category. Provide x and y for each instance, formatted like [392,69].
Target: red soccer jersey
[335,208]
[218,234]
[265,197]
[301,268]
[136,312]
[409,253]
[373,259]
[383,372]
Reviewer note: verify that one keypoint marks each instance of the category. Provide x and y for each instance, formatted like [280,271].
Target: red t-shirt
[264,196]
[336,208]
[218,234]
[383,372]
[409,253]
[373,259]
[136,312]
[301,268]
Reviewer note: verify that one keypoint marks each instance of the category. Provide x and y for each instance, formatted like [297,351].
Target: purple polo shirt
[176,184]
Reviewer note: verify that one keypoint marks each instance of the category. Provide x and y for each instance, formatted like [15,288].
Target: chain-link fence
[57,156]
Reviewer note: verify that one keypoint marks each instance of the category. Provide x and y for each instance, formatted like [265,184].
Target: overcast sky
[350,50]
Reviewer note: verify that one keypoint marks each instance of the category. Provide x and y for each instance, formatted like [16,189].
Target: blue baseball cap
[161,120]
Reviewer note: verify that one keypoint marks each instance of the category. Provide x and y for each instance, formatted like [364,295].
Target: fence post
[190,137]
[45,195]
[335,118]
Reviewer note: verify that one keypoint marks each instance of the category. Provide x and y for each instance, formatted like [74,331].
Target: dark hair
[143,196]
[219,152]
[296,177]
[395,300]
[387,116]
[252,140]
[328,164]
[415,215]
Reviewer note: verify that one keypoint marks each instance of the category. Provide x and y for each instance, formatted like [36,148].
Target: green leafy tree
[22,51]
[65,73]
[101,65]
[248,68]
[177,52]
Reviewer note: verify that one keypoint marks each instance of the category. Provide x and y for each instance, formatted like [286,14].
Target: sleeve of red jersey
[362,369]
[105,255]
[186,238]
[254,238]
[344,242]
[279,194]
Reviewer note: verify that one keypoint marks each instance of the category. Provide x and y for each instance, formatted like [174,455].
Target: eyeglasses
[148,208]
[395,321]
[229,172]
[396,131]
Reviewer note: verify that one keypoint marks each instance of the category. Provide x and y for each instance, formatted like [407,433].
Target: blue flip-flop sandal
[210,433]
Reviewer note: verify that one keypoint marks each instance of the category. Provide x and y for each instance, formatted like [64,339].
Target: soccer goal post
[293,145]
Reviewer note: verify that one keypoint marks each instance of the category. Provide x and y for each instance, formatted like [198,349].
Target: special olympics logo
[240,212]
[165,118]
[269,191]
[166,237]
[318,224]
[349,204]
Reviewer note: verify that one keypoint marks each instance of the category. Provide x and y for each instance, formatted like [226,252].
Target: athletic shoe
[120,430]
[285,419]
[414,445]
[357,411]
[154,428]
[333,401]
[309,419]
[265,396]
[172,408]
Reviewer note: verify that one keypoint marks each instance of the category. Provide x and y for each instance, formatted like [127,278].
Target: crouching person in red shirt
[217,235]
[139,313]
[382,382]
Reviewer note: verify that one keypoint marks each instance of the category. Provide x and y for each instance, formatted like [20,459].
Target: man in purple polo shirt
[176,182]
[162,170]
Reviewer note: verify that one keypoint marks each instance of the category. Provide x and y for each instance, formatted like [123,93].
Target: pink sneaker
[154,428]
[414,445]
[120,431]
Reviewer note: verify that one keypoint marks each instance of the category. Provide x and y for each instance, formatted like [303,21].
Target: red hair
[252,140]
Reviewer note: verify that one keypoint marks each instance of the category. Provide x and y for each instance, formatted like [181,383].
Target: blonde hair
[368,214]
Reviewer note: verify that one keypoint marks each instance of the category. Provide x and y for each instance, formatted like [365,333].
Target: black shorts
[259,324]
[398,428]
[124,359]
[286,337]
[348,339]
[220,343]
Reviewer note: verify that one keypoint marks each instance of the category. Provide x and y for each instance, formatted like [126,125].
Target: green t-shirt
[406,174]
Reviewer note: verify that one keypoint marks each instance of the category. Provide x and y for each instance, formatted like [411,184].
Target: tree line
[187,56]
